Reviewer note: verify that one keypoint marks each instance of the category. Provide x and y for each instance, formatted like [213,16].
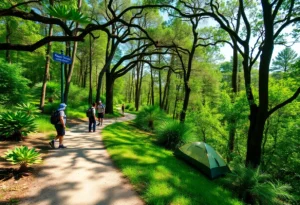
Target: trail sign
[62,58]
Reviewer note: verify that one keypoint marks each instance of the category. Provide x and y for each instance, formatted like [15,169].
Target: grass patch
[43,124]
[156,174]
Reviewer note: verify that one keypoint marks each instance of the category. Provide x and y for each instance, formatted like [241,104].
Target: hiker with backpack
[91,114]
[100,110]
[59,118]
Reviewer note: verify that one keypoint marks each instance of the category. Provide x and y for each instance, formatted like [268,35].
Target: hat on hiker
[62,106]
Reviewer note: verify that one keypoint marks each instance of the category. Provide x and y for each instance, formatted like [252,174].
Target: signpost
[63,59]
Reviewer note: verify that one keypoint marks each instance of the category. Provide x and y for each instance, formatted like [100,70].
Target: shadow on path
[82,174]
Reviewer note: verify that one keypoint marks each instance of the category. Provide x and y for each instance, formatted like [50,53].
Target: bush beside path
[81,174]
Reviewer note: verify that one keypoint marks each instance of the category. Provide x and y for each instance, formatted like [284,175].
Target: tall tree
[47,65]
[275,17]
[284,60]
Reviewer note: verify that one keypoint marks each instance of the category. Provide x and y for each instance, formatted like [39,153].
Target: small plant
[255,187]
[149,117]
[16,124]
[28,108]
[23,156]
[172,134]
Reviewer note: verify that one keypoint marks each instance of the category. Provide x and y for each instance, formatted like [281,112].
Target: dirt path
[82,174]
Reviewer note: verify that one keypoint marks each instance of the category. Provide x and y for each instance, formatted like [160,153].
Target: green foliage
[67,13]
[284,60]
[28,108]
[16,124]
[43,124]
[158,176]
[77,97]
[149,117]
[13,85]
[50,107]
[129,107]
[255,187]
[172,134]
[52,91]
[23,156]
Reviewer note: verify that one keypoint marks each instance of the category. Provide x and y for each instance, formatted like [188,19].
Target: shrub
[172,134]
[23,156]
[255,187]
[16,124]
[129,107]
[149,117]
[50,107]
[12,84]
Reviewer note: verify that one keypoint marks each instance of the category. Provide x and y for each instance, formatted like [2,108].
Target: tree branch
[284,103]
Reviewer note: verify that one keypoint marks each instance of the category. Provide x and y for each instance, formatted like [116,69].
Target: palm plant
[256,187]
[67,13]
[23,156]
[16,124]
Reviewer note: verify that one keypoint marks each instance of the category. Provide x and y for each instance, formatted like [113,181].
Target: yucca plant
[16,124]
[28,108]
[172,134]
[255,187]
[23,156]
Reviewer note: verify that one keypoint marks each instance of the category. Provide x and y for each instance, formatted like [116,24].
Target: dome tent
[204,157]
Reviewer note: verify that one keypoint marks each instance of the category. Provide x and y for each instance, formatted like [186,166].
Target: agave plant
[28,108]
[23,156]
[16,124]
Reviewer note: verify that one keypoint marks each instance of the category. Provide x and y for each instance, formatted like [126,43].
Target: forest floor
[81,174]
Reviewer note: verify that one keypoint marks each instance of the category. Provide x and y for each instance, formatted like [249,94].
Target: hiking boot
[51,143]
[61,146]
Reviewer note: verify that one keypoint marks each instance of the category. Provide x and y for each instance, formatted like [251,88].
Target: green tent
[204,157]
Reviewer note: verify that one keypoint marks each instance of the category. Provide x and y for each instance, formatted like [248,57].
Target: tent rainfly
[204,157]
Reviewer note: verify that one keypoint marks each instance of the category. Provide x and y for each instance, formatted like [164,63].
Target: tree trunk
[258,115]
[166,90]
[91,74]
[7,38]
[234,85]
[100,80]
[47,69]
[138,84]
[160,85]
[185,103]
[109,93]
[152,87]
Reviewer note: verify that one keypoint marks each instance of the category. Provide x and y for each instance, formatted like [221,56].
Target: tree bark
[91,74]
[166,90]
[259,115]
[109,93]
[7,38]
[152,88]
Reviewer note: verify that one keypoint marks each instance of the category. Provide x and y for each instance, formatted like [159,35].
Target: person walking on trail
[101,110]
[123,109]
[92,118]
[60,126]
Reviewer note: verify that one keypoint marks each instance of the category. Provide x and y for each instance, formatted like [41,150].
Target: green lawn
[156,174]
